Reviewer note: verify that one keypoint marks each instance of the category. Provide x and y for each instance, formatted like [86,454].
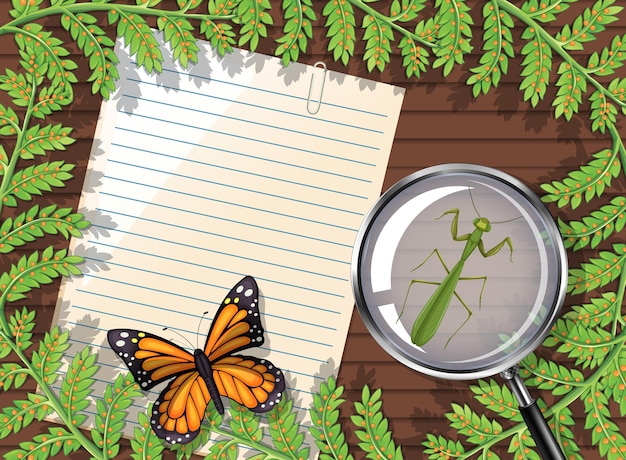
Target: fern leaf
[453,35]
[220,35]
[283,427]
[138,38]
[415,57]
[560,422]
[588,345]
[548,375]
[341,25]
[571,87]
[598,272]
[595,228]
[22,413]
[146,444]
[497,47]
[19,87]
[478,428]
[178,33]
[33,271]
[12,375]
[76,385]
[615,385]
[46,445]
[588,181]
[608,60]
[38,46]
[111,412]
[41,140]
[586,26]
[437,447]
[537,66]
[297,30]
[497,398]
[378,37]
[36,179]
[405,10]
[32,224]
[8,121]
[603,112]
[97,48]
[47,359]
[224,450]
[545,10]
[605,434]
[325,428]
[245,423]
[373,428]
[22,8]
[255,18]
[521,446]
[21,325]
[600,312]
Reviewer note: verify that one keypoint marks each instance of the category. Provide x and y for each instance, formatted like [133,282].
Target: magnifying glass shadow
[429,212]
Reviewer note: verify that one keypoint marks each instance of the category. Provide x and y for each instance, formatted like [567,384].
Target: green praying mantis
[429,319]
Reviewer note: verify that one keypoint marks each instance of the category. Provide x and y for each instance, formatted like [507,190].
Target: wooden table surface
[440,122]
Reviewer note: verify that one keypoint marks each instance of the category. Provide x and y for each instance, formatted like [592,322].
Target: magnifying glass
[459,272]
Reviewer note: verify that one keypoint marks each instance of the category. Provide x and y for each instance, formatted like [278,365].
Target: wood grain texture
[441,122]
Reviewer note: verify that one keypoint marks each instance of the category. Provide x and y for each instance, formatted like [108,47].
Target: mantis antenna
[469,189]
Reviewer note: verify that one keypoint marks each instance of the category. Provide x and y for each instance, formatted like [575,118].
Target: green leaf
[41,140]
[586,182]
[601,312]
[284,429]
[178,33]
[545,10]
[589,345]
[562,420]
[405,10]
[325,420]
[21,325]
[536,66]
[453,34]
[220,35]
[548,375]
[33,271]
[138,37]
[497,398]
[373,428]
[415,57]
[46,361]
[521,445]
[97,48]
[46,445]
[586,26]
[608,60]
[478,428]
[22,413]
[497,47]
[76,385]
[603,112]
[596,227]
[378,36]
[437,447]
[605,434]
[244,422]
[146,444]
[341,25]
[571,86]
[19,86]
[616,382]
[35,223]
[297,30]
[111,412]
[36,179]
[224,450]
[8,123]
[22,8]
[255,17]
[12,375]
[598,272]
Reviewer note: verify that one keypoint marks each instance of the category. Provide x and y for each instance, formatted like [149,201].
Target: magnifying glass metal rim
[553,234]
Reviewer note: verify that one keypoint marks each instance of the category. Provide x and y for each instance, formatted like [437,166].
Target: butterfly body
[194,379]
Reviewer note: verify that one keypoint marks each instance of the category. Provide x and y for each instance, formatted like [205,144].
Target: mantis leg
[494,250]
[454,228]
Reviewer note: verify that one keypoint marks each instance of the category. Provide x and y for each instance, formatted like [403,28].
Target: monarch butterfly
[206,374]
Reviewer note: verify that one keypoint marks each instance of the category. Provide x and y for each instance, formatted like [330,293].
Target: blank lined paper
[199,177]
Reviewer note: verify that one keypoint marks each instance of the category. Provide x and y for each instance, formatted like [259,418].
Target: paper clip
[313,105]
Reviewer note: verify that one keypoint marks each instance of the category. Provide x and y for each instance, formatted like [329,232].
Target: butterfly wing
[178,412]
[252,382]
[151,359]
[237,323]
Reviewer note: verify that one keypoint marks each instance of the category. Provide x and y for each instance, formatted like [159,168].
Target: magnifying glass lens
[459,273]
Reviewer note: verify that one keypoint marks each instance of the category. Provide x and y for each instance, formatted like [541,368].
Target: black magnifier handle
[537,425]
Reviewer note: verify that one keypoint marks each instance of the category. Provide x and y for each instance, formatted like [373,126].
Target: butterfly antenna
[198,331]
[469,189]
[180,335]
